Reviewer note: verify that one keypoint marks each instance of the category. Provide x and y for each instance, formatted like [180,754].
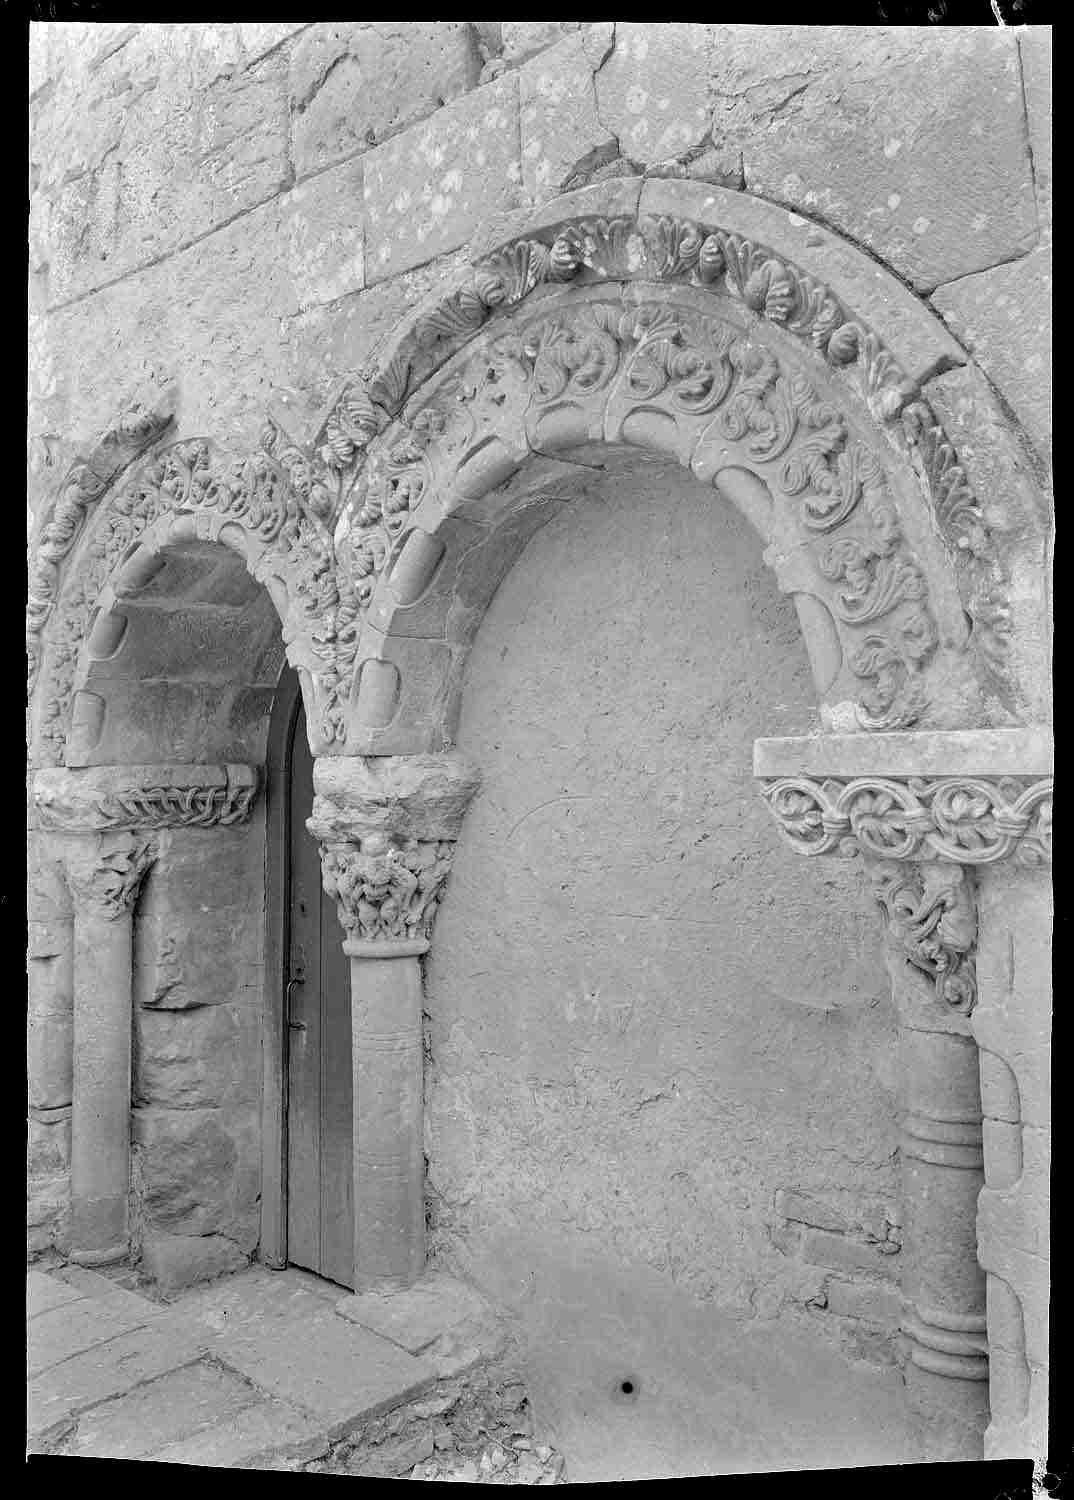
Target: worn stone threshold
[261,1368]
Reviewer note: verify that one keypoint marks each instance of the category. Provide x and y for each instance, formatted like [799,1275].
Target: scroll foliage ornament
[932,916]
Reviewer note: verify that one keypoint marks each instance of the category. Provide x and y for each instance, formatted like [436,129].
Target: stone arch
[728,334]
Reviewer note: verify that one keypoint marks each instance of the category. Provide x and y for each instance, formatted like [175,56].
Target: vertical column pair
[387,828]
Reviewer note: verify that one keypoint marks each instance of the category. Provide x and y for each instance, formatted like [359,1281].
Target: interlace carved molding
[969,820]
[221,800]
[107,882]
[387,890]
[931,913]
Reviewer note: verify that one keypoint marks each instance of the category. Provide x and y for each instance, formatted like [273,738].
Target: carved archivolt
[641,324]
[969,820]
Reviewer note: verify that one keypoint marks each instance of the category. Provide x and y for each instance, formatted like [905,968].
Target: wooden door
[320,1178]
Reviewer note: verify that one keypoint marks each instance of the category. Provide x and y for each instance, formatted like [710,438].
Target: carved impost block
[387,827]
[167,796]
[970,797]
[105,873]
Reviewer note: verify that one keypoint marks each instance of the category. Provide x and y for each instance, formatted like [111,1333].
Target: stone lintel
[398,796]
[958,752]
[100,798]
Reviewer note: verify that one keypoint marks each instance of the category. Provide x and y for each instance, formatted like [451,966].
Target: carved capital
[169,796]
[387,891]
[105,876]
[931,912]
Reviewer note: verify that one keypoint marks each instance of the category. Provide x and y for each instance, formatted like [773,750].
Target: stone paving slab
[65,1331]
[418,1316]
[45,1293]
[271,1429]
[153,1416]
[289,1340]
[75,1384]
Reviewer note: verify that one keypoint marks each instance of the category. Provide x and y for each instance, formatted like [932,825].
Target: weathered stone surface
[353,83]
[289,1342]
[1004,317]
[414,796]
[44,1293]
[806,1210]
[558,112]
[174,1261]
[65,1331]
[1035,49]
[145,173]
[201,1170]
[841,1254]
[322,222]
[152,1416]
[206,1055]
[48,1146]
[251,1436]
[521,39]
[911,140]
[653,92]
[873,1304]
[88,1378]
[421,1314]
[956,752]
[427,189]
[259,37]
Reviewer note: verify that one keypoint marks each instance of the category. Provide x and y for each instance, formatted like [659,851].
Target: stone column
[104,876]
[99,820]
[931,919]
[947,822]
[387,828]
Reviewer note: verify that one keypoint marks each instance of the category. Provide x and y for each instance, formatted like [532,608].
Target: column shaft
[389,1160]
[100,1120]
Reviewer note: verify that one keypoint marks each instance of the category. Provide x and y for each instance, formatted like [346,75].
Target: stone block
[353,84]
[419,1315]
[201,1170]
[1035,48]
[653,91]
[521,39]
[172,1406]
[44,1293]
[48,1146]
[66,1331]
[840,1254]
[1004,317]
[48,1059]
[321,226]
[175,1261]
[91,1377]
[259,37]
[427,189]
[146,172]
[269,1429]
[911,140]
[207,1055]
[560,128]
[873,1304]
